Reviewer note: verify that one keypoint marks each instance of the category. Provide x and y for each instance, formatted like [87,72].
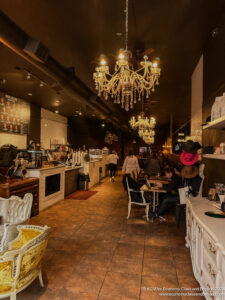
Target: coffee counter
[71,179]
[59,181]
[51,184]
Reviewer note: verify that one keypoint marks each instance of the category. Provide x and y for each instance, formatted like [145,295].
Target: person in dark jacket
[152,166]
[188,177]
[172,195]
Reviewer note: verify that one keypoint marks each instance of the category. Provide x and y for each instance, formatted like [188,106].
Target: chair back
[129,191]
[16,210]
[21,264]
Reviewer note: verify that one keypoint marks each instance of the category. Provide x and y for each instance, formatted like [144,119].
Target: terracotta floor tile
[132,239]
[157,252]
[125,249]
[162,282]
[96,261]
[120,284]
[69,294]
[86,281]
[156,240]
[154,266]
[126,264]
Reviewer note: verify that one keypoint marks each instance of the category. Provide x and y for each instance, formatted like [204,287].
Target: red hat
[188,159]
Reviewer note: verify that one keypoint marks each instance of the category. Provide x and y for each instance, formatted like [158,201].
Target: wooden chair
[20,265]
[142,202]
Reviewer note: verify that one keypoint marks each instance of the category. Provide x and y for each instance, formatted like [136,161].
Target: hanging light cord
[126,25]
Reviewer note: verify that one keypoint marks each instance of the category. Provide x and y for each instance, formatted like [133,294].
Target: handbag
[185,192]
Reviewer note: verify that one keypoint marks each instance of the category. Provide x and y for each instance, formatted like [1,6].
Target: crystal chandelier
[145,133]
[149,140]
[142,122]
[126,85]
[110,137]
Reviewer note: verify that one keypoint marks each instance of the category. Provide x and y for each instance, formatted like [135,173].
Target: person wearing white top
[131,165]
[112,160]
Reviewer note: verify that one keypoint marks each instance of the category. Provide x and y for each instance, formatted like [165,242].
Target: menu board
[14,115]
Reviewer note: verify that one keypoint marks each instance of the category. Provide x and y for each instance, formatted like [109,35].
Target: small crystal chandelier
[149,140]
[126,86]
[142,122]
[145,133]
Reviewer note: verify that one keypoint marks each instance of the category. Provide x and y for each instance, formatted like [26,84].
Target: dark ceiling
[77,32]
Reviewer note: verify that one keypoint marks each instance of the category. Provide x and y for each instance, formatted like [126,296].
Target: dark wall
[213,86]
[88,132]
[35,123]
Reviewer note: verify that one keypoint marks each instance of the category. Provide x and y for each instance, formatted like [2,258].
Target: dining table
[156,191]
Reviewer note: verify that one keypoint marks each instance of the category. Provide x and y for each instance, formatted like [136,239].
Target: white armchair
[21,263]
[142,203]
[14,211]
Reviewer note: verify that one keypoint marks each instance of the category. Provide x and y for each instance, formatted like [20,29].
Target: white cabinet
[205,237]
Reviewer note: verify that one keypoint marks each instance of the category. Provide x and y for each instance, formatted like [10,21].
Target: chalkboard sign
[14,115]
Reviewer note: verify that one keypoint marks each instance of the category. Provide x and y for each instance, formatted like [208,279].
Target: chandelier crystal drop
[126,86]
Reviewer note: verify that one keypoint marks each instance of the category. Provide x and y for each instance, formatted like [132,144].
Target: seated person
[188,177]
[172,195]
[135,197]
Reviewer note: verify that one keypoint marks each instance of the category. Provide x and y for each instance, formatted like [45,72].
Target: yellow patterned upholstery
[6,278]
[21,264]
[25,236]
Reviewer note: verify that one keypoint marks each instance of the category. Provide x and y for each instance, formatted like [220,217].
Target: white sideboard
[206,239]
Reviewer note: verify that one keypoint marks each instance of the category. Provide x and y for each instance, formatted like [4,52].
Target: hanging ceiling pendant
[126,86]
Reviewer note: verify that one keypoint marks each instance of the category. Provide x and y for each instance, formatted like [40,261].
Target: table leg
[153,201]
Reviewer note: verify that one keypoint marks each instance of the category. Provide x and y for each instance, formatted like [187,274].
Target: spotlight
[80,113]
[29,94]
[103,124]
[28,76]
[41,84]
[56,111]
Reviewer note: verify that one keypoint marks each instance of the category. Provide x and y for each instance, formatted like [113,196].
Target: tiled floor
[95,253]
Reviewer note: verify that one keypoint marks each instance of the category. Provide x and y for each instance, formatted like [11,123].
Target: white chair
[143,203]
[14,211]
[21,264]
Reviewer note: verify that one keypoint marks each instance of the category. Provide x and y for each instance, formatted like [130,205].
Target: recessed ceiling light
[75,115]
[28,75]
[119,34]
[41,84]
[80,113]
[56,111]
[29,94]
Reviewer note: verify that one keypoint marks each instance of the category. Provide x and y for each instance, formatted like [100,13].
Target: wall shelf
[214,156]
[216,124]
